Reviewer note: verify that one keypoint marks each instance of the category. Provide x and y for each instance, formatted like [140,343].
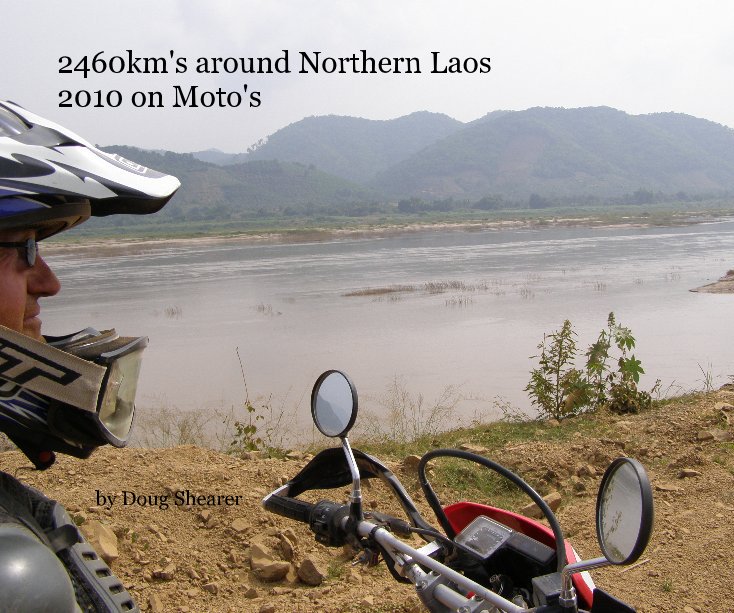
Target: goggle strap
[53,373]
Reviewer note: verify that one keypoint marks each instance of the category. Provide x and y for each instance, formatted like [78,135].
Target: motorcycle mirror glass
[334,403]
[624,511]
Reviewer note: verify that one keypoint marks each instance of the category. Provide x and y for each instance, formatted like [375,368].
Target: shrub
[560,390]
[557,388]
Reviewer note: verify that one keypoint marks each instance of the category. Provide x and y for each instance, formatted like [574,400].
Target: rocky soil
[220,551]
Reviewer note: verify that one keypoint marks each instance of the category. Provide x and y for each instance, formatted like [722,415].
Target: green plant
[557,388]
[262,429]
[245,432]
[708,378]
[597,369]
[561,390]
[624,395]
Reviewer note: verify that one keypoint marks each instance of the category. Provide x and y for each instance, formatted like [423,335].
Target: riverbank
[725,285]
[137,239]
[200,557]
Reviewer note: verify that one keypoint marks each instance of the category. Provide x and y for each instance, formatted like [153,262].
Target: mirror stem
[567,599]
[355,506]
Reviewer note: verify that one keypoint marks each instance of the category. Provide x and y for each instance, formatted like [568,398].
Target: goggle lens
[117,408]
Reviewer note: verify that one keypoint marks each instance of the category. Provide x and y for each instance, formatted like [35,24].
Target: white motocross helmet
[51,180]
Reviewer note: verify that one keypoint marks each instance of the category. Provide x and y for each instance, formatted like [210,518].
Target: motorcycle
[484,559]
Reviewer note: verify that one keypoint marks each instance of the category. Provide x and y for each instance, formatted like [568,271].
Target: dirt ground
[197,557]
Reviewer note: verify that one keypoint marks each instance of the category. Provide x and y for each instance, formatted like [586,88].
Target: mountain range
[353,165]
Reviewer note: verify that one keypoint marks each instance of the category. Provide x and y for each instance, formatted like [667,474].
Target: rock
[471,448]
[267,608]
[274,571]
[167,573]
[290,535]
[286,548]
[205,515]
[727,412]
[531,510]
[240,525]
[411,462]
[102,538]
[354,577]
[265,566]
[585,470]
[688,472]
[723,436]
[368,602]
[250,592]
[281,591]
[705,435]
[260,554]
[211,587]
[310,573]
[155,604]
[553,500]
[664,487]
[291,577]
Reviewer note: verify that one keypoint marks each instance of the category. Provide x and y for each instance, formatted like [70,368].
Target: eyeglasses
[28,247]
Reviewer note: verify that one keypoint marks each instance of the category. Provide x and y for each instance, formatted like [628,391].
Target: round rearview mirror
[624,511]
[334,403]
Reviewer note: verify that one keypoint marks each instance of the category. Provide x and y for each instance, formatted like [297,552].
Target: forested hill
[561,152]
[350,147]
[258,188]
[352,166]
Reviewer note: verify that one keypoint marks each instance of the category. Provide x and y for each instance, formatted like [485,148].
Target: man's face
[21,286]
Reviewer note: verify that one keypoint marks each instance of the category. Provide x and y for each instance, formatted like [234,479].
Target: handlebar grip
[290,507]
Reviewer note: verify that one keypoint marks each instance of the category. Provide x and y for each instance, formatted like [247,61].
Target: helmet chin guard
[71,394]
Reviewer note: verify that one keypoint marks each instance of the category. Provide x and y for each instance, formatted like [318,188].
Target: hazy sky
[640,57]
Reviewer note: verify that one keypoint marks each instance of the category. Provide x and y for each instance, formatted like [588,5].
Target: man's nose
[42,280]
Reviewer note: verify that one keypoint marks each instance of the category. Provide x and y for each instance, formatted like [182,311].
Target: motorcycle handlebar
[289,507]
[329,522]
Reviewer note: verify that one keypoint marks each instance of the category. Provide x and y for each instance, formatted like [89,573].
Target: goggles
[90,379]
[28,249]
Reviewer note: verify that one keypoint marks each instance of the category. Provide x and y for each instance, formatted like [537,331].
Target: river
[474,307]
